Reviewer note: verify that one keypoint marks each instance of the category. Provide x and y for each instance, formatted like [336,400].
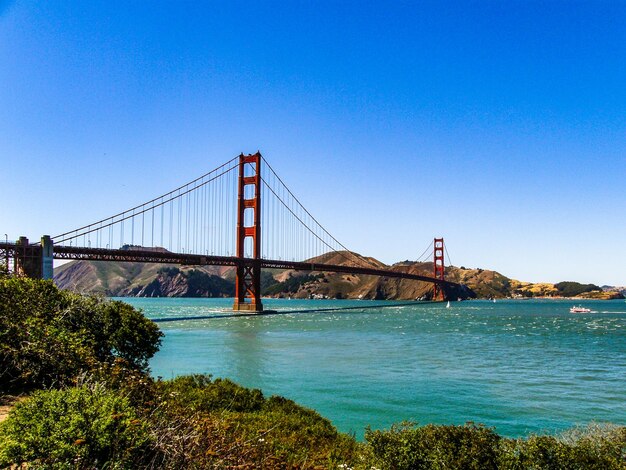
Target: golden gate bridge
[240,214]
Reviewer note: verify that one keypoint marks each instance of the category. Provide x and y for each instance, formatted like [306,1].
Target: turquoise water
[521,366]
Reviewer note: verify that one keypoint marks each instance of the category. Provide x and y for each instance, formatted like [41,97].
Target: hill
[126,279]
[160,280]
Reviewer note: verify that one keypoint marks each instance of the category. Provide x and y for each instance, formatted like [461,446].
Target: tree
[49,336]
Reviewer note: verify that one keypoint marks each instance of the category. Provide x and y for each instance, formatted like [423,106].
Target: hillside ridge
[120,279]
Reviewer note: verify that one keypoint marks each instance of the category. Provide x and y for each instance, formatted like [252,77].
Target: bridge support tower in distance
[34,261]
[439,269]
[248,278]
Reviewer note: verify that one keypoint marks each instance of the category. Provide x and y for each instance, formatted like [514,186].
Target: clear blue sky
[498,125]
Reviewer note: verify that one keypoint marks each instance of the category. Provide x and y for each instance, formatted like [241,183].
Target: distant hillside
[620,289]
[301,284]
[145,279]
[161,280]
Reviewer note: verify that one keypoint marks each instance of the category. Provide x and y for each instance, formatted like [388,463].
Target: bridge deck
[152,256]
[167,257]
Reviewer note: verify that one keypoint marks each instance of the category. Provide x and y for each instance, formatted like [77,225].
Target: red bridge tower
[439,269]
[248,280]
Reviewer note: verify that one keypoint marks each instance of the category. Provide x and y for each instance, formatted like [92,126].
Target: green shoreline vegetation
[80,367]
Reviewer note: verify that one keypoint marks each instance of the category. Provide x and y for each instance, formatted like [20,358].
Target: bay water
[521,366]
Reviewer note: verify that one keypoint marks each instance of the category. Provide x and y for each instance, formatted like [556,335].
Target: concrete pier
[47,259]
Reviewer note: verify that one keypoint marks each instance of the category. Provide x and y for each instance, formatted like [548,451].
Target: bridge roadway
[154,256]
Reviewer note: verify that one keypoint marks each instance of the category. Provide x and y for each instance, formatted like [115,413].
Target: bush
[223,425]
[200,393]
[592,448]
[83,427]
[131,421]
[49,336]
[476,447]
[407,447]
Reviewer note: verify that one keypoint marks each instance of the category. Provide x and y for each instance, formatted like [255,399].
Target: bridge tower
[248,278]
[34,261]
[27,259]
[439,269]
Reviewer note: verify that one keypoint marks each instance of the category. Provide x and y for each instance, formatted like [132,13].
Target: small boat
[448,304]
[579,309]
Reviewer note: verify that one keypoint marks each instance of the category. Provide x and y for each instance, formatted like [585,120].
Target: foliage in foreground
[130,421]
[49,336]
[430,446]
[87,427]
[405,447]
[238,427]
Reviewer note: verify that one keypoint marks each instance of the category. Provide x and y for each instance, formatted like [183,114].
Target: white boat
[448,304]
[579,309]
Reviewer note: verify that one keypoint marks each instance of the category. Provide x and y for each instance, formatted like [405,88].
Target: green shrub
[293,438]
[136,385]
[200,393]
[49,336]
[83,427]
[593,448]
[407,447]
[476,447]
[224,425]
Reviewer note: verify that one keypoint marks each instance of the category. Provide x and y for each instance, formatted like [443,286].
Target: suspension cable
[134,214]
[427,248]
[359,257]
[447,254]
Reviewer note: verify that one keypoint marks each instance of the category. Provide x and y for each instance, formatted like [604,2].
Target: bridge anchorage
[240,215]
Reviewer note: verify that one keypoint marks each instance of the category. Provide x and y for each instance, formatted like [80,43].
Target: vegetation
[49,336]
[190,422]
[476,447]
[571,289]
[407,447]
[100,409]
[169,271]
[215,286]
[234,426]
[195,422]
[291,285]
[88,426]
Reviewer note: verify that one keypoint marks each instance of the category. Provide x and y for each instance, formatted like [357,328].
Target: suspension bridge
[240,214]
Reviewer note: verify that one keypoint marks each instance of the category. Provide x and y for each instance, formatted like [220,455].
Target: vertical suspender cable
[187,223]
[180,212]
